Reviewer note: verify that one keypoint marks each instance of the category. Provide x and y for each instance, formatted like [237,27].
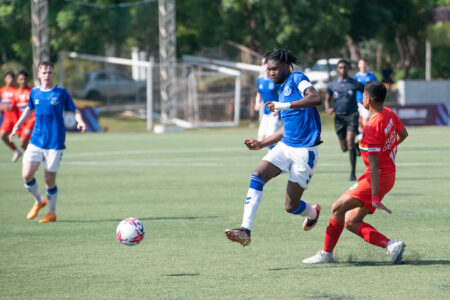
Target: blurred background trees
[383,32]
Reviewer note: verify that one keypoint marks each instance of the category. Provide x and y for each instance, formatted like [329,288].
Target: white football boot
[321,257]
[395,251]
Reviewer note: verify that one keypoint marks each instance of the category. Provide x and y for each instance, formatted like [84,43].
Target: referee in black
[343,91]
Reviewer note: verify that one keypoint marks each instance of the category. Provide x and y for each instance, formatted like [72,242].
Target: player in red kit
[10,114]
[381,135]
[21,99]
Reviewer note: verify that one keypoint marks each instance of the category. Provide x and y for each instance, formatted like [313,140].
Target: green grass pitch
[187,188]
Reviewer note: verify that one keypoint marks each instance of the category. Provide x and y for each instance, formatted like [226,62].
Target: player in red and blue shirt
[49,101]
[383,132]
[296,152]
[10,114]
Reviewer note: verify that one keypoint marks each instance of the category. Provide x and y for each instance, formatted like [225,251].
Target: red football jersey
[21,99]
[380,137]
[7,97]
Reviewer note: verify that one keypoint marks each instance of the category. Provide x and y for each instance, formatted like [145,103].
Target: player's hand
[270,105]
[81,126]
[330,111]
[377,203]
[252,144]
[12,134]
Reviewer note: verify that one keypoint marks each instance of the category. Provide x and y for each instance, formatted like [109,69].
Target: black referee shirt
[344,95]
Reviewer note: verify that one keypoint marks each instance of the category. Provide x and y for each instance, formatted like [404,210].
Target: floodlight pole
[39,21]
[167,59]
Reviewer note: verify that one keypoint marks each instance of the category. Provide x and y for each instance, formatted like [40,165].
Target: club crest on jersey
[287,91]
[36,102]
[271,86]
[54,101]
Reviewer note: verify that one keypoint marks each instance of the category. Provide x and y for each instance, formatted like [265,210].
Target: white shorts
[298,162]
[50,157]
[364,113]
[269,125]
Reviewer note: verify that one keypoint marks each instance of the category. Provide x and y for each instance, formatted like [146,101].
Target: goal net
[204,94]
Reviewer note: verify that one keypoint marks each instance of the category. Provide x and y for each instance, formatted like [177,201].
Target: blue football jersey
[49,131]
[363,78]
[269,91]
[302,126]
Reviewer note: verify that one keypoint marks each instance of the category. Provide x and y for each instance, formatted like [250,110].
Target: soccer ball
[130,231]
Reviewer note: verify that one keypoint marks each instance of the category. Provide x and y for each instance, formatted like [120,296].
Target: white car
[319,75]
[103,84]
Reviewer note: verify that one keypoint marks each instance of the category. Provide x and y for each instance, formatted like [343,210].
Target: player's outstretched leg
[395,251]
[309,223]
[239,235]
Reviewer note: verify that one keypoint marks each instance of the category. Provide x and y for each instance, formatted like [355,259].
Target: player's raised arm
[312,99]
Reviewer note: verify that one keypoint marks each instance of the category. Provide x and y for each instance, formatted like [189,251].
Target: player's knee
[337,208]
[351,225]
[27,177]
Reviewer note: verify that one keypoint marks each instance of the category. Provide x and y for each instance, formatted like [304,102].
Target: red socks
[371,235]
[332,235]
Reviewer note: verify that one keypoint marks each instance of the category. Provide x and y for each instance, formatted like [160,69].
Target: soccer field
[187,188]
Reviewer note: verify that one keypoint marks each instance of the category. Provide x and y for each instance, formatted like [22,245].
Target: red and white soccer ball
[130,231]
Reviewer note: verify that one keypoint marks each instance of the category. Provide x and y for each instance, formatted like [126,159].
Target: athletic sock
[305,209]
[352,155]
[252,201]
[332,235]
[52,195]
[371,235]
[33,188]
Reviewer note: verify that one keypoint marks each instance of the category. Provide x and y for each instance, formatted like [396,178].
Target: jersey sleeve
[258,82]
[302,82]
[329,90]
[69,105]
[373,77]
[372,141]
[31,102]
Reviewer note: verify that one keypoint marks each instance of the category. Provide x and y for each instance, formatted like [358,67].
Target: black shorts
[345,123]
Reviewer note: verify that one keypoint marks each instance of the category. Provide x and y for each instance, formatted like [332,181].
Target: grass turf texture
[187,188]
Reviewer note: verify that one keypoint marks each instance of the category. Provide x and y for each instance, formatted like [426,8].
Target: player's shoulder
[298,76]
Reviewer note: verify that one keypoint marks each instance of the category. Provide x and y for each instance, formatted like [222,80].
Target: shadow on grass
[141,219]
[366,264]
[182,274]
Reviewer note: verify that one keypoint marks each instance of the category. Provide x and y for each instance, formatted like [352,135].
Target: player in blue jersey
[267,91]
[296,152]
[363,76]
[47,140]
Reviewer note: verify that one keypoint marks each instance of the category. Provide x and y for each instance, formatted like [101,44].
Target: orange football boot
[49,217]
[35,209]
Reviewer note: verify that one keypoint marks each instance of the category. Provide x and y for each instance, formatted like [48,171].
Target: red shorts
[363,191]
[8,125]
[26,129]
